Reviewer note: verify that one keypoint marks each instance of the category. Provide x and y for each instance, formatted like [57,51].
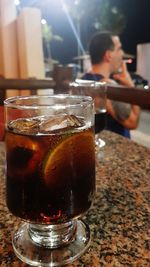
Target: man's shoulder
[91,76]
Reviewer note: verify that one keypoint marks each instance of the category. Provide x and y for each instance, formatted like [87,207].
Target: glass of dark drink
[98,91]
[50,175]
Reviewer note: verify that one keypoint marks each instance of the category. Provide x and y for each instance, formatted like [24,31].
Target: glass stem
[53,236]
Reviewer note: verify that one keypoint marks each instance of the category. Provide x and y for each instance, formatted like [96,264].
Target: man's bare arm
[131,122]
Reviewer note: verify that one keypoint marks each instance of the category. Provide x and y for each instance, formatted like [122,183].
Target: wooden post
[31,60]
[8,42]
[143,60]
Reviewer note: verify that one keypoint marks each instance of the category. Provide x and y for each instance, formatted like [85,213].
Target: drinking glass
[98,91]
[50,175]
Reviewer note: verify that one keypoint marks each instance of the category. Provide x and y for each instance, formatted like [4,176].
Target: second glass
[98,91]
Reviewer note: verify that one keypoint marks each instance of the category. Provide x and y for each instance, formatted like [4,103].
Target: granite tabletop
[119,218]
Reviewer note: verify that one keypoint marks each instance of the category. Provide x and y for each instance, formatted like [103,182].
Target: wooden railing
[24,84]
[137,96]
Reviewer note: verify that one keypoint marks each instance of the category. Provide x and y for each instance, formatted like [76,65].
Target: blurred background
[49,38]
[129,19]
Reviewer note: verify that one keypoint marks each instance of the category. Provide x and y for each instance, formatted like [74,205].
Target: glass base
[49,246]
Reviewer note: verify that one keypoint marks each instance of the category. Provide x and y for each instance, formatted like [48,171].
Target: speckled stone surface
[120,216]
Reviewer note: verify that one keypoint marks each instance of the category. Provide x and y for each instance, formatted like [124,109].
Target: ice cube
[26,126]
[60,122]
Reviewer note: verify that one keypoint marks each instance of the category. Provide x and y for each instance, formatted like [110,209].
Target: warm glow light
[128,61]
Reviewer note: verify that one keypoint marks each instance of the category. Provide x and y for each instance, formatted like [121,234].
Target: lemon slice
[24,141]
[24,155]
[72,159]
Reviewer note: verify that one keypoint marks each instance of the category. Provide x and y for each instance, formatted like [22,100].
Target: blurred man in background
[106,54]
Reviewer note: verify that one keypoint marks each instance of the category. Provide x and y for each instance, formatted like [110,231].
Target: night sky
[137,13]
[137,30]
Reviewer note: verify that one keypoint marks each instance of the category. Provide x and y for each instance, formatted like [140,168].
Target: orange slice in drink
[24,155]
[70,160]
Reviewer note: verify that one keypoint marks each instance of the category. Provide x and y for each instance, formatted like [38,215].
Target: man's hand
[124,77]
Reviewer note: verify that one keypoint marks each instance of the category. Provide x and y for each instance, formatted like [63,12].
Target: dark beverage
[100,121]
[50,173]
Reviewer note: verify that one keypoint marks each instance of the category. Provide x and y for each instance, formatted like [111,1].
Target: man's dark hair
[99,44]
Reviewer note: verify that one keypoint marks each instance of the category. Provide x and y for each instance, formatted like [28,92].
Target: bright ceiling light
[43,21]
[17,2]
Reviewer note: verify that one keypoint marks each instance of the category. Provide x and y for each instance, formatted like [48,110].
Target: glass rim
[81,82]
[11,101]
[91,84]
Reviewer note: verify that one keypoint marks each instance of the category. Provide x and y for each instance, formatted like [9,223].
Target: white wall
[143,61]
